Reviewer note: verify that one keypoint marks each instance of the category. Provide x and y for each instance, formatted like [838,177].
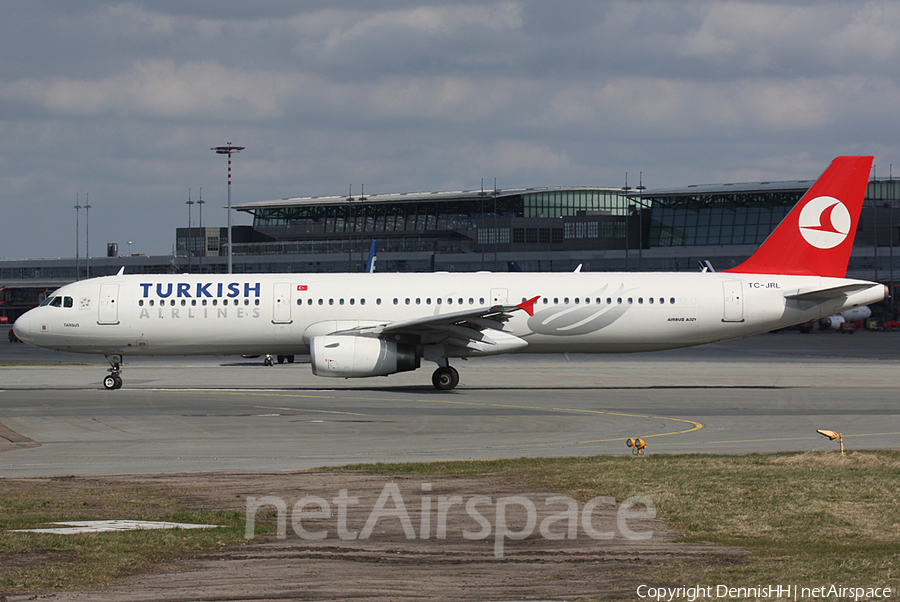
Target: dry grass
[807,518]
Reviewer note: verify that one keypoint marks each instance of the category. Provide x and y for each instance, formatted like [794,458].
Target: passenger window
[407,300]
[362,301]
[299,301]
[449,301]
[378,301]
[215,302]
[331,302]
[172,302]
[396,301]
[418,301]
[256,302]
[460,300]
[481,300]
[428,301]
[439,300]
[619,300]
[555,300]
[184,302]
[308,302]
[321,301]
[341,302]
[630,300]
[651,300]
[471,301]
[566,300]
[141,303]
[546,301]
[193,302]
[609,300]
[672,300]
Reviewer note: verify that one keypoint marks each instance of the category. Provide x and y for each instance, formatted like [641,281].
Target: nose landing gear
[114,379]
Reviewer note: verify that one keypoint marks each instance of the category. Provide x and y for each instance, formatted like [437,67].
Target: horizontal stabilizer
[826,294]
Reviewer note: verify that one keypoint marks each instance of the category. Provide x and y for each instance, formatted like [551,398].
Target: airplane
[356,325]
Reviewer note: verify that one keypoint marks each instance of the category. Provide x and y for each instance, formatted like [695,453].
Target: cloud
[124,99]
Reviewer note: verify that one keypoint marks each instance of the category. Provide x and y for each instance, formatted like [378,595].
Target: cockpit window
[58,302]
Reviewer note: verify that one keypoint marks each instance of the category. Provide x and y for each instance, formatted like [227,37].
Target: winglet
[528,306]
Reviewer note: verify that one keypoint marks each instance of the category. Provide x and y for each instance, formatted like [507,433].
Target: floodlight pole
[77,243]
[228,150]
[200,203]
[188,241]
[87,234]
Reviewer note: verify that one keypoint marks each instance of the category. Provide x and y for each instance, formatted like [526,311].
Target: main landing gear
[114,379]
[445,378]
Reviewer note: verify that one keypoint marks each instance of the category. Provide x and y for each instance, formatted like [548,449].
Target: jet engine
[832,322]
[346,356]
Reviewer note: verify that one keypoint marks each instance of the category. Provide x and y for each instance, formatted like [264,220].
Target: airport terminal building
[533,229]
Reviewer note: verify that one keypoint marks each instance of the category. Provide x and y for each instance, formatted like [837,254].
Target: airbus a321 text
[359,325]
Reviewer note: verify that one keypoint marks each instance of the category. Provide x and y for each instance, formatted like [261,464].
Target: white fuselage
[281,313]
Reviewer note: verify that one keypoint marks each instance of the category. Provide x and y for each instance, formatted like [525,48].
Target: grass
[806,518]
[32,562]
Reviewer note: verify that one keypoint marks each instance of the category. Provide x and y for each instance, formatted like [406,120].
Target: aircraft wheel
[118,381]
[281,359]
[445,378]
[111,382]
[289,358]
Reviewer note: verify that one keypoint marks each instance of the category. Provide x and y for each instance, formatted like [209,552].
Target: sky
[122,101]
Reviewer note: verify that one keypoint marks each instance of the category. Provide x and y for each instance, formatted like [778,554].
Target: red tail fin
[816,237]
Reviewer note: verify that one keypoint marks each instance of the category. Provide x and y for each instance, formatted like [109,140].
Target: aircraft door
[109,312]
[734,301]
[498,296]
[281,312]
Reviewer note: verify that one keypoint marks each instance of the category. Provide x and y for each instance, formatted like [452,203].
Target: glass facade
[461,215]
[717,218]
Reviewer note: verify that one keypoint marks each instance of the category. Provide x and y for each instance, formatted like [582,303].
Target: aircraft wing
[464,329]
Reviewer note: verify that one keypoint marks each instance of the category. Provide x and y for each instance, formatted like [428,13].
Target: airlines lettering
[201,289]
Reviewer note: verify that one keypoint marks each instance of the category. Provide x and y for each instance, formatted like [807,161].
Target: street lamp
[201,202]
[228,150]
[77,243]
[187,243]
[87,234]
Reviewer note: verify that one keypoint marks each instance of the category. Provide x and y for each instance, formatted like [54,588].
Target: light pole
[626,189]
[228,150]
[87,234]
[188,240]
[129,248]
[201,202]
[77,243]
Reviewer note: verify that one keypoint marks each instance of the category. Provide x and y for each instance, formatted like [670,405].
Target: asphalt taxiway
[183,414]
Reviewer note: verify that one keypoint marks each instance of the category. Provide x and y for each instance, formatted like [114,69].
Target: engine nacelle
[345,356]
[832,322]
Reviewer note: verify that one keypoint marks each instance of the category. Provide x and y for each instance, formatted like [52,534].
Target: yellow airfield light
[637,445]
[832,436]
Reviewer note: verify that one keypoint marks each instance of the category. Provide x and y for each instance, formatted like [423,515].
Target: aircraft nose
[24,327]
